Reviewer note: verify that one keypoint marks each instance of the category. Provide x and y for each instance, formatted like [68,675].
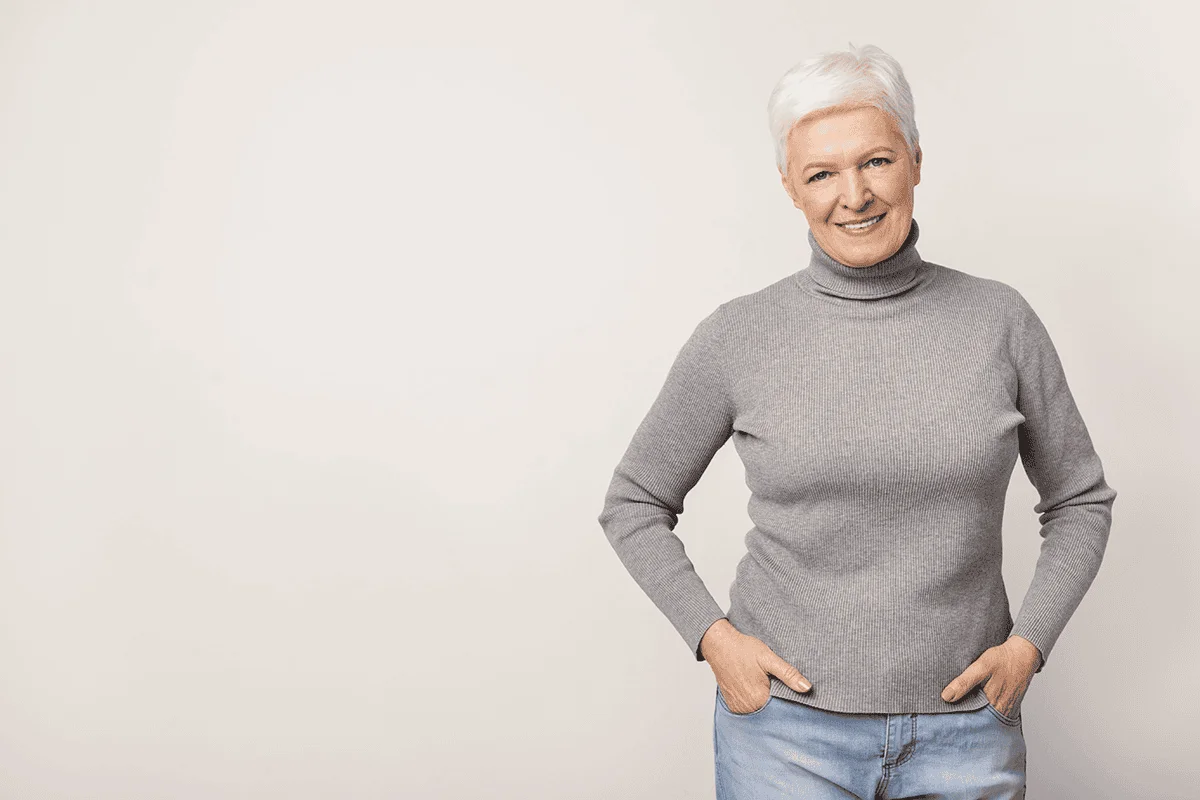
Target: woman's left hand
[1008,668]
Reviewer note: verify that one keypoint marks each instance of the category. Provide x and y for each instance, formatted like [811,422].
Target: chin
[864,254]
[864,250]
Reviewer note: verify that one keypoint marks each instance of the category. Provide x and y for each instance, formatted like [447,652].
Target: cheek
[818,198]
[897,189]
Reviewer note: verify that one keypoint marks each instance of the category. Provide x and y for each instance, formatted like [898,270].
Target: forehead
[850,128]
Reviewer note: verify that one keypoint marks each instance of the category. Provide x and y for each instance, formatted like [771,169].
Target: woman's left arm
[1075,505]
[1076,513]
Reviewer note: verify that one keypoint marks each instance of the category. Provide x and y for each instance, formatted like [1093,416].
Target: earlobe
[787,187]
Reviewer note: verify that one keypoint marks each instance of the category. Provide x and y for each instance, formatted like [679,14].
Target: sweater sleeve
[688,422]
[1075,505]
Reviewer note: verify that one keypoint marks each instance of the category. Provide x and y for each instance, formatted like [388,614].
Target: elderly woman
[879,402]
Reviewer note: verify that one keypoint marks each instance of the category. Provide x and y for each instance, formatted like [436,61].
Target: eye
[871,161]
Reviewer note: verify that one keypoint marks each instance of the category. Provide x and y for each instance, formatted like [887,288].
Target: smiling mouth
[861,226]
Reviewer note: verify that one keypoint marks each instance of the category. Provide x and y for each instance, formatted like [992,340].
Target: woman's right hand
[743,666]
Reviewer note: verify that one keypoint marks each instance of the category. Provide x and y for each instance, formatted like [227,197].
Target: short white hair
[857,75]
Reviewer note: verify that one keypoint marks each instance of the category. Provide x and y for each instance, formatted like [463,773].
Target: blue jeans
[789,749]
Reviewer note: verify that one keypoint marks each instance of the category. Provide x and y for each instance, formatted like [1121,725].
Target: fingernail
[804,687]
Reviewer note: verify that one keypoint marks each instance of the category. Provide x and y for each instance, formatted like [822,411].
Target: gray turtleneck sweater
[879,412]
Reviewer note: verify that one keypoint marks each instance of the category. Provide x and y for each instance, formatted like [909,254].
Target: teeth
[866,224]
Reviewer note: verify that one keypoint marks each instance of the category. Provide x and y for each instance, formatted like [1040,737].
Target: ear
[787,186]
[917,166]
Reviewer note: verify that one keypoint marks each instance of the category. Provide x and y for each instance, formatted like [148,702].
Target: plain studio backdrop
[325,324]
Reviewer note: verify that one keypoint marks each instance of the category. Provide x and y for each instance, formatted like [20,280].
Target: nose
[856,195]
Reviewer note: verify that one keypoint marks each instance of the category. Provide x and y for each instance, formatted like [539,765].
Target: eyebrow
[812,164]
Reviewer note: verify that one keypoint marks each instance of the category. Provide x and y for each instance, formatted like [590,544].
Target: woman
[879,403]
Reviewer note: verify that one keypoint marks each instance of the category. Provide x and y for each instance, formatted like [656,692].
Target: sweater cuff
[1040,637]
[1041,651]
[693,631]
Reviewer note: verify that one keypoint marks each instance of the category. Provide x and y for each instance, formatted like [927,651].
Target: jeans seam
[887,770]
[732,713]
[913,748]
[717,753]
[1007,720]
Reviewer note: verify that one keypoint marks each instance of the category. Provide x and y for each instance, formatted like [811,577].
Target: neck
[893,275]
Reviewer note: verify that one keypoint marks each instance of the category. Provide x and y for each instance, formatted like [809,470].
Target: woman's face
[851,164]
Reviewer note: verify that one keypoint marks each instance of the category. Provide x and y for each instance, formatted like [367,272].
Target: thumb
[786,672]
[966,681]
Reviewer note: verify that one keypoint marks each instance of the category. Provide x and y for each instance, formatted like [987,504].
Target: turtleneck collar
[896,273]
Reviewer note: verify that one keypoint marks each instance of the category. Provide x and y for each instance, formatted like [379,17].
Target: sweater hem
[845,703]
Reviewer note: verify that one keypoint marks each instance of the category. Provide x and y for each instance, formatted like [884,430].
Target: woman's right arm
[689,421]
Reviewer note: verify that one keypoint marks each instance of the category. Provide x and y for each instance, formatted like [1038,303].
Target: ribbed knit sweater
[879,412]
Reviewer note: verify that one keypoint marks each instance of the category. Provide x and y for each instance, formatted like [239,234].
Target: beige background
[323,325]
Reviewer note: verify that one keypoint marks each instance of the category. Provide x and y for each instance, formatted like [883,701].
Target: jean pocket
[1007,720]
[721,701]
